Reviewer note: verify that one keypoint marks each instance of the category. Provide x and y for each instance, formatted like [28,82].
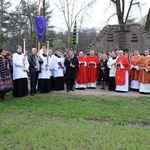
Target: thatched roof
[127,37]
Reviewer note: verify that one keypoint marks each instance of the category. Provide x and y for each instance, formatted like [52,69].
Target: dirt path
[98,91]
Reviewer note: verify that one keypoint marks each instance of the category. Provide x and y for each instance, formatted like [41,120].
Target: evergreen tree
[4,21]
[21,25]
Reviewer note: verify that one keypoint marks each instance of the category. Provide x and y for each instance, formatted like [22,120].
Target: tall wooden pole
[47,45]
[39,45]
[24,45]
[44,37]
[42,13]
[44,8]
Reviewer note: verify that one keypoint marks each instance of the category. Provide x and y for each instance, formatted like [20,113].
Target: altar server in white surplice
[58,70]
[20,69]
[112,72]
[44,83]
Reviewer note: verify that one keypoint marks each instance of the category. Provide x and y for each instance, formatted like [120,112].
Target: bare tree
[71,9]
[120,9]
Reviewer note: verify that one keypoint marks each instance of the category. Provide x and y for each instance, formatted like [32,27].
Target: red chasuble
[135,61]
[120,76]
[144,76]
[92,62]
[81,71]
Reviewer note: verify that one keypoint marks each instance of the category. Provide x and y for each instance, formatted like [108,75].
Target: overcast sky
[98,15]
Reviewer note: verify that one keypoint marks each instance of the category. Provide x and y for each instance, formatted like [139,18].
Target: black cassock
[103,74]
[20,87]
[70,74]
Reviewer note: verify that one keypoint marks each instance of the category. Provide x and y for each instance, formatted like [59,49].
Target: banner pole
[24,45]
[38,48]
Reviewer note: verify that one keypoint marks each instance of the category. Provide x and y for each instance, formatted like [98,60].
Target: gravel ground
[98,91]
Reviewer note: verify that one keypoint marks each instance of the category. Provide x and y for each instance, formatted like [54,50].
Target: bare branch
[72,12]
[114,1]
[123,6]
[71,9]
[83,8]
[140,10]
[106,22]
[129,9]
[107,7]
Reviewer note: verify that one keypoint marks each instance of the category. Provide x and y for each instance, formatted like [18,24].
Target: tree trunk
[68,40]
[44,37]
[120,10]
[120,19]
[120,13]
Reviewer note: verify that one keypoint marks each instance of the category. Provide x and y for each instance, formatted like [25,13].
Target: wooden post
[41,14]
[38,48]
[24,45]
[47,45]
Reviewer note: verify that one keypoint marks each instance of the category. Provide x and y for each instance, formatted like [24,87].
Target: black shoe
[32,94]
[71,89]
[3,98]
[67,90]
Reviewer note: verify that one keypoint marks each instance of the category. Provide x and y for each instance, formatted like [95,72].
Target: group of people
[48,71]
[128,72]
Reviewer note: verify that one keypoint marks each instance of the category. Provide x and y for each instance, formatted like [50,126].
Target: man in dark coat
[34,69]
[71,62]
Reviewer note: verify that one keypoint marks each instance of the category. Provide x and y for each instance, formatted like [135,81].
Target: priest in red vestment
[92,63]
[135,62]
[122,73]
[81,72]
[144,76]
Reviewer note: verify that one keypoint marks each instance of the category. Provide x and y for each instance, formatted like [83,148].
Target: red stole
[92,68]
[120,76]
[81,71]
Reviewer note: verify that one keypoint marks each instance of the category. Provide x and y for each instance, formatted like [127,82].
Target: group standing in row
[48,71]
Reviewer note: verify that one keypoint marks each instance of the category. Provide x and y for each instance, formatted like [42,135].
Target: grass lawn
[58,121]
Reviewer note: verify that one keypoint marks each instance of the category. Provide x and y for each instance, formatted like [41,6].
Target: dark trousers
[70,83]
[33,81]
[2,94]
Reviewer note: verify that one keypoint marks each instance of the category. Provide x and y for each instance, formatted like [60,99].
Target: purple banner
[40,25]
